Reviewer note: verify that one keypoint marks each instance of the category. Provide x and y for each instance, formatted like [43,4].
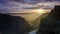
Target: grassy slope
[33,19]
[36,22]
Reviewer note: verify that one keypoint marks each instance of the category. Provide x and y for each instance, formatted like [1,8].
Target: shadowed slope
[51,23]
[13,25]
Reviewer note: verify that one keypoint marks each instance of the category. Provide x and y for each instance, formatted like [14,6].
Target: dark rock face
[13,25]
[51,23]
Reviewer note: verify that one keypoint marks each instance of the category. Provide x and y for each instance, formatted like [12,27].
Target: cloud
[27,1]
[23,5]
[8,7]
[19,1]
[13,7]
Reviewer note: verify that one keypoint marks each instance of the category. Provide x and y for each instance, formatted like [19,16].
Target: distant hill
[36,22]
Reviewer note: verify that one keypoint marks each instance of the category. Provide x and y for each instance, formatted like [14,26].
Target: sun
[40,11]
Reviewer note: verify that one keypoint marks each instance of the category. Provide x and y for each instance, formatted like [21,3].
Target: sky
[23,6]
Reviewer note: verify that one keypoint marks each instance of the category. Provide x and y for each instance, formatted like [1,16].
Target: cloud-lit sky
[26,5]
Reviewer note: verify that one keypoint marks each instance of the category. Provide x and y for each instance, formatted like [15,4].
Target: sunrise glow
[40,11]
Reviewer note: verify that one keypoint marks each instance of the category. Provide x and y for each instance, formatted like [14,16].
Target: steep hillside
[36,22]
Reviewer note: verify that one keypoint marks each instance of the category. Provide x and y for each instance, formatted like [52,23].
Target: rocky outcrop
[51,23]
[13,25]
